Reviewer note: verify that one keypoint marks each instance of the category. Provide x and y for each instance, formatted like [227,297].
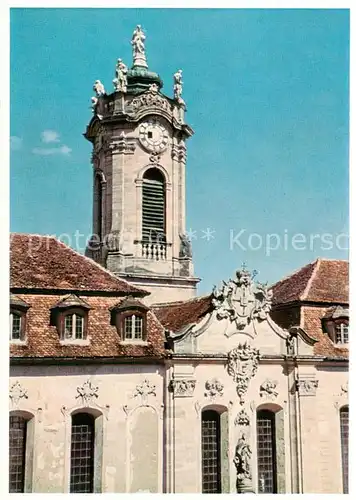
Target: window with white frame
[16,326]
[73,327]
[342,333]
[133,327]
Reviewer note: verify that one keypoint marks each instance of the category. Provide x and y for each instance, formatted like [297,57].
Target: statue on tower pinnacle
[138,47]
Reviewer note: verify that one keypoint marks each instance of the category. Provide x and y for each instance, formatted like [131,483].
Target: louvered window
[153,207]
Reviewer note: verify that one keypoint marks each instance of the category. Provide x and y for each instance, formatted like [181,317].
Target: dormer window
[336,325]
[70,316]
[342,333]
[129,317]
[18,310]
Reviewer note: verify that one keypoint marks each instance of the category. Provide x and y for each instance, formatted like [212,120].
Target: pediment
[240,313]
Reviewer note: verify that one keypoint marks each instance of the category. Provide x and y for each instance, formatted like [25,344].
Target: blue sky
[267,97]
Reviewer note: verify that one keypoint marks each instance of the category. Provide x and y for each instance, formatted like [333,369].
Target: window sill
[134,342]
[75,342]
[342,346]
[18,342]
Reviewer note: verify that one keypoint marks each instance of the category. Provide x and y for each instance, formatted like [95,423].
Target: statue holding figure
[120,81]
[178,86]
[138,47]
[243,454]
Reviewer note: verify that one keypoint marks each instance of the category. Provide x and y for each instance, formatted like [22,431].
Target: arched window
[344,428]
[21,435]
[211,455]
[17,453]
[266,452]
[153,207]
[82,453]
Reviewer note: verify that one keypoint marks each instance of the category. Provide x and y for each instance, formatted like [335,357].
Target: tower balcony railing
[154,250]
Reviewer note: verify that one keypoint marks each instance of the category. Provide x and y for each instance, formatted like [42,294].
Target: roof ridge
[304,295]
[288,276]
[176,302]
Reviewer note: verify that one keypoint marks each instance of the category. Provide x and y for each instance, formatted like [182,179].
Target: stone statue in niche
[290,343]
[120,81]
[242,462]
[185,250]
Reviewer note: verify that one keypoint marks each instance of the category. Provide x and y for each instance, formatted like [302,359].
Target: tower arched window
[344,429]
[153,207]
[266,452]
[98,206]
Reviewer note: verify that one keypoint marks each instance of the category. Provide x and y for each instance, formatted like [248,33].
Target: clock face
[153,136]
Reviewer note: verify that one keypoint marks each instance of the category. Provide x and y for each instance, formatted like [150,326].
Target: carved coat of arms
[242,366]
[241,300]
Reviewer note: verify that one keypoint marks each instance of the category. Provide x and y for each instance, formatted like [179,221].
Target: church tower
[139,155]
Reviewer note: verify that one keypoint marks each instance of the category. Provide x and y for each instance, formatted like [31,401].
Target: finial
[178,86]
[138,47]
[120,80]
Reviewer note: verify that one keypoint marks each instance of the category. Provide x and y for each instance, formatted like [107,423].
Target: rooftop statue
[138,47]
[99,89]
[178,86]
[120,81]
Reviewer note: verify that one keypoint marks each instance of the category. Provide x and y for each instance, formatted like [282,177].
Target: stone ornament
[242,363]
[122,144]
[178,86]
[242,462]
[17,393]
[148,99]
[242,301]
[268,389]
[183,388]
[120,80]
[87,392]
[344,389]
[153,88]
[242,418]
[144,390]
[179,153]
[213,389]
[307,386]
[138,47]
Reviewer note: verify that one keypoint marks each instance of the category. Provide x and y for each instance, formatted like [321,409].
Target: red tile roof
[43,262]
[43,341]
[323,281]
[175,316]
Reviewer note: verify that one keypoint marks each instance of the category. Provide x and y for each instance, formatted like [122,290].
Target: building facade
[122,380]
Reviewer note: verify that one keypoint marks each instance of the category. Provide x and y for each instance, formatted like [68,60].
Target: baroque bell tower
[139,156]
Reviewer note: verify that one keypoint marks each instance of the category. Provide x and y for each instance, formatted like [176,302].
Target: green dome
[140,78]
